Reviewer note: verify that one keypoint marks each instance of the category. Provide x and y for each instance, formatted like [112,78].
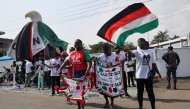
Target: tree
[130,45]
[175,37]
[98,48]
[160,37]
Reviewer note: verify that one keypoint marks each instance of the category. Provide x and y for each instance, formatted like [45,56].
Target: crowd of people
[78,63]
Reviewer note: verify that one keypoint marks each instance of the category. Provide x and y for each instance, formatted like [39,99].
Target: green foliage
[160,37]
[175,37]
[130,45]
[98,48]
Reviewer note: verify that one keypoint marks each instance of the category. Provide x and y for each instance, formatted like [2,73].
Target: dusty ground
[165,99]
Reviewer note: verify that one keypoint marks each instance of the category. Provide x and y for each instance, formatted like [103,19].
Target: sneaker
[52,94]
[58,94]
[29,86]
[134,85]
[43,89]
[38,88]
[129,86]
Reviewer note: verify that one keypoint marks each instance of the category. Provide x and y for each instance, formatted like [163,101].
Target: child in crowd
[40,78]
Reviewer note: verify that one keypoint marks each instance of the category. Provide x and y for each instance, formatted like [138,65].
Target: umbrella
[4,58]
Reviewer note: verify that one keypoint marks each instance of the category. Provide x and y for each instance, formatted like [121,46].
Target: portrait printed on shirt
[146,59]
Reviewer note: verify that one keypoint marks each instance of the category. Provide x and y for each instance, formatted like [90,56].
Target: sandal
[112,106]
[69,103]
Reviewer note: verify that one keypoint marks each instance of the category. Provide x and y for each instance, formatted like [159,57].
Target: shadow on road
[100,106]
[169,100]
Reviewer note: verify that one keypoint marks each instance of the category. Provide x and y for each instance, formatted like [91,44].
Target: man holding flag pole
[136,18]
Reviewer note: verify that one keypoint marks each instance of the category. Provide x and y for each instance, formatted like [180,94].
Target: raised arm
[129,52]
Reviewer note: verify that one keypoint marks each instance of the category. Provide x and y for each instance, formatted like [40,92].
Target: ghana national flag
[136,18]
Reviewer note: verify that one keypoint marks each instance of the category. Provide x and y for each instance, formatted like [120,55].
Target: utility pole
[148,37]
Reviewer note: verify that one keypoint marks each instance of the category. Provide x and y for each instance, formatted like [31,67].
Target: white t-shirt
[121,56]
[38,63]
[108,61]
[54,71]
[130,62]
[28,67]
[142,67]
[92,68]
[46,67]
[63,70]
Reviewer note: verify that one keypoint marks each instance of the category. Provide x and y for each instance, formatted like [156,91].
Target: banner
[109,81]
[77,90]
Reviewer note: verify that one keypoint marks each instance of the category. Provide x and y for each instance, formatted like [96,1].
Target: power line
[89,15]
[73,6]
[84,8]
[173,15]
[57,10]
[80,17]
[70,12]
[174,10]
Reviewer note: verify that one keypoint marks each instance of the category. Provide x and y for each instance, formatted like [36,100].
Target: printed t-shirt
[142,67]
[79,60]
[108,61]
[54,71]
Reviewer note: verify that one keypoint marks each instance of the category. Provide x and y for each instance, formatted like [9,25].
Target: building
[4,44]
[182,42]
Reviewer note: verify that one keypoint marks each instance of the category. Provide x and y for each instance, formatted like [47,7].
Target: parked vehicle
[5,74]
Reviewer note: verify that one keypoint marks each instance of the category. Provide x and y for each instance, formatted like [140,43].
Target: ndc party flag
[33,38]
[136,18]
[35,74]
[76,90]
[109,81]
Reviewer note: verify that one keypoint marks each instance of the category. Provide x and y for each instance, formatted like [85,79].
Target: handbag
[151,73]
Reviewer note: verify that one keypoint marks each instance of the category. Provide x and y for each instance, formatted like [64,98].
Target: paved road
[165,99]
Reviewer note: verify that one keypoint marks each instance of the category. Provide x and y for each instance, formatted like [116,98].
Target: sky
[81,19]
